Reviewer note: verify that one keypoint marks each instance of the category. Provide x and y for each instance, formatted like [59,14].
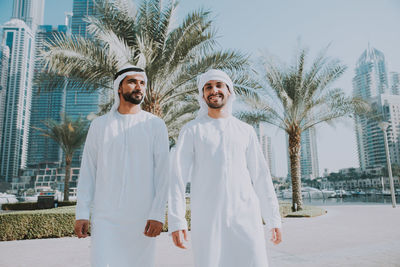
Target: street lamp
[383,125]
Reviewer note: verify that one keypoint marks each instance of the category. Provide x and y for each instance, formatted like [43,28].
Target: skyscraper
[370,143]
[309,155]
[45,105]
[13,154]
[395,83]
[29,11]
[266,146]
[80,10]
[79,103]
[268,151]
[370,78]
[371,83]
[4,61]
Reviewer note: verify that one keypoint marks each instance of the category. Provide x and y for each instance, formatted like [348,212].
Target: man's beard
[216,105]
[130,97]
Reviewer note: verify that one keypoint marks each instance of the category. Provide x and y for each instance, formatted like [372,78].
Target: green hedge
[20,206]
[58,222]
[48,223]
[32,205]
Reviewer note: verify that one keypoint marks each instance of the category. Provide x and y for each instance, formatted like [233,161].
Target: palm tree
[145,36]
[299,100]
[69,135]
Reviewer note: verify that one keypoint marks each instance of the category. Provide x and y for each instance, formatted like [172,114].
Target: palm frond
[68,134]
[172,57]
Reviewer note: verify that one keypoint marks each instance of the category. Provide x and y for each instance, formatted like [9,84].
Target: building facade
[29,11]
[78,102]
[371,77]
[4,62]
[80,10]
[395,82]
[371,83]
[267,148]
[45,105]
[19,38]
[268,151]
[309,155]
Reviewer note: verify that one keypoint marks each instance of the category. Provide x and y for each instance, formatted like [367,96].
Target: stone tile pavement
[365,235]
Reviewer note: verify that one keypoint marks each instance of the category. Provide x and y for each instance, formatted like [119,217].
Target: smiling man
[123,181]
[231,186]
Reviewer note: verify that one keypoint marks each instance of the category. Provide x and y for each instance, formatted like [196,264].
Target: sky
[275,27]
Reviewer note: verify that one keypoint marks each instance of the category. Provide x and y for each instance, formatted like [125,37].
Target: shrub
[58,222]
[20,206]
[48,223]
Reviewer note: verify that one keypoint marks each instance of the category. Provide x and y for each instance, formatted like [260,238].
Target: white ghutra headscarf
[217,75]
[120,75]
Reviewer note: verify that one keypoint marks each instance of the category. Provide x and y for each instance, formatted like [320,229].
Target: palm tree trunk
[294,155]
[68,161]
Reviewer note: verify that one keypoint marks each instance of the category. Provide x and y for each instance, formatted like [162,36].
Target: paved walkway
[346,236]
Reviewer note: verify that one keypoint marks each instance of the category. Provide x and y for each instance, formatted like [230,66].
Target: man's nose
[137,85]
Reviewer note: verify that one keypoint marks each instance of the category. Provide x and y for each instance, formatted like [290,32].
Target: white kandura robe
[123,183]
[231,188]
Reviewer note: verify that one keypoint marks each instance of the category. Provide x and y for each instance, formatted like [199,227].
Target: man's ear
[120,86]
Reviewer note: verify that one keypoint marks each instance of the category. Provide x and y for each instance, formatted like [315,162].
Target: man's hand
[176,237]
[276,236]
[81,228]
[153,228]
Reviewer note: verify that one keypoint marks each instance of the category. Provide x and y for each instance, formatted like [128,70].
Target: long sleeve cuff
[157,216]
[176,226]
[275,223]
[82,213]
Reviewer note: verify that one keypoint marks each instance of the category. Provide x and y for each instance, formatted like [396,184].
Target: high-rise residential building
[78,102]
[13,154]
[45,105]
[80,10]
[372,84]
[309,155]
[68,21]
[371,78]
[30,11]
[4,61]
[266,147]
[268,151]
[395,83]
[370,141]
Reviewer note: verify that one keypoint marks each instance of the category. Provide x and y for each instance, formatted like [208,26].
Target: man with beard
[231,186]
[123,181]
